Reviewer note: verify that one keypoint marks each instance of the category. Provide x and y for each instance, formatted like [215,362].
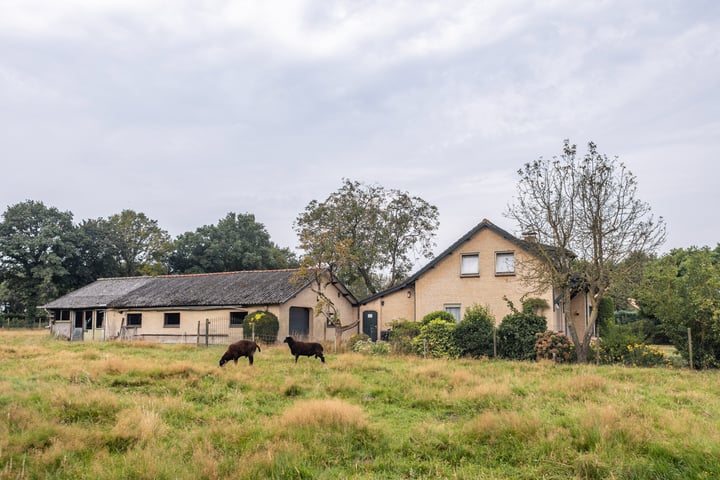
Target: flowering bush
[369,347]
[642,355]
[554,346]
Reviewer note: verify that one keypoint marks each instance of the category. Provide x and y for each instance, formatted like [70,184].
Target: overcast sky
[186,110]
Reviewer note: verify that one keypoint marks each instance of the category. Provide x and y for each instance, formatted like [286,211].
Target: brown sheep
[307,349]
[241,348]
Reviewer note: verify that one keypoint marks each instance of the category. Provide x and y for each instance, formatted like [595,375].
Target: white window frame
[453,308]
[467,268]
[502,266]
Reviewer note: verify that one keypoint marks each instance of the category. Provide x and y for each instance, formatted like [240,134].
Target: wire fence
[211,331]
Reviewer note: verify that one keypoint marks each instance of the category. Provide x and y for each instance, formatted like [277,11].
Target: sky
[186,110]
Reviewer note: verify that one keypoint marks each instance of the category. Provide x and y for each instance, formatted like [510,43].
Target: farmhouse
[195,308]
[483,267]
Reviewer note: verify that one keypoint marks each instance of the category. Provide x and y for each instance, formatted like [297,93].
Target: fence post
[494,341]
[690,354]
[253,331]
[425,346]
[197,337]
[207,332]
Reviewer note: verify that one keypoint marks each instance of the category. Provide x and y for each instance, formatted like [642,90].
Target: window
[134,319]
[453,309]
[88,319]
[237,319]
[172,320]
[64,315]
[469,264]
[505,263]
[99,318]
[330,320]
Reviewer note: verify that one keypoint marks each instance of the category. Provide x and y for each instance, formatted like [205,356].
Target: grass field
[148,411]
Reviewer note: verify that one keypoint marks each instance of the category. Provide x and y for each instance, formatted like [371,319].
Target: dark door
[299,322]
[370,324]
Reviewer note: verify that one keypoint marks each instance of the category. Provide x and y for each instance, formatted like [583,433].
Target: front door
[370,324]
[299,322]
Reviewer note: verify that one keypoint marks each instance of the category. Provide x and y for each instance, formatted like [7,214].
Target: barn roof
[259,287]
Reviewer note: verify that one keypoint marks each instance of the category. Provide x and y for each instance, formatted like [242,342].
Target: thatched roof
[263,287]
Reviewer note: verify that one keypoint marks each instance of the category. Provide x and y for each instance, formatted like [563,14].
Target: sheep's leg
[250,359]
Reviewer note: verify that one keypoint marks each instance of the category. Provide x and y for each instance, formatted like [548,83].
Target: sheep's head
[225,358]
[288,340]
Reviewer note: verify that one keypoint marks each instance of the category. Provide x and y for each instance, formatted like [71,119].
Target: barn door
[299,322]
[370,324]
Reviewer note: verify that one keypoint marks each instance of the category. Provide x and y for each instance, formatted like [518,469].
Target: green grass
[148,411]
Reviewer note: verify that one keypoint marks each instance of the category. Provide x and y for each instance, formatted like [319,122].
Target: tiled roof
[529,246]
[262,287]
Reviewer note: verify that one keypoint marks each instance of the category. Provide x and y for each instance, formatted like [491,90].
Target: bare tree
[588,220]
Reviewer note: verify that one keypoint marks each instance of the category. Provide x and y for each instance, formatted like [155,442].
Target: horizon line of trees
[44,254]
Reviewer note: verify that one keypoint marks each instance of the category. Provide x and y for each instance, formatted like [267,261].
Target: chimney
[529,236]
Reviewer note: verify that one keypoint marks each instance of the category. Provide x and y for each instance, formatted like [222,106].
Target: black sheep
[241,348]
[306,349]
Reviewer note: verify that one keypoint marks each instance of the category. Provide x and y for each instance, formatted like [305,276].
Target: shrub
[614,342]
[438,315]
[642,355]
[554,346]
[516,334]
[401,335]
[369,347]
[355,338]
[436,339]
[473,336]
[264,324]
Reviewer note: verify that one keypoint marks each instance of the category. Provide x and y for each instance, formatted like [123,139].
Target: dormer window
[505,263]
[469,265]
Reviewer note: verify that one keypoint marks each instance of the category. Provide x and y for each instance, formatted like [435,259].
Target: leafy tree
[588,221]
[138,243]
[94,253]
[237,242]
[382,230]
[35,245]
[682,290]
[474,334]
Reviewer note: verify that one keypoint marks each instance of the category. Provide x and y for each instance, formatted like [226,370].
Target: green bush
[642,355]
[402,333]
[614,340]
[516,334]
[473,336]
[436,340]
[355,338]
[554,346]
[438,315]
[264,324]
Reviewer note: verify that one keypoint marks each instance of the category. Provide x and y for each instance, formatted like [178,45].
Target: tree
[138,243]
[682,290]
[35,244]
[588,221]
[237,242]
[383,229]
[94,253]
